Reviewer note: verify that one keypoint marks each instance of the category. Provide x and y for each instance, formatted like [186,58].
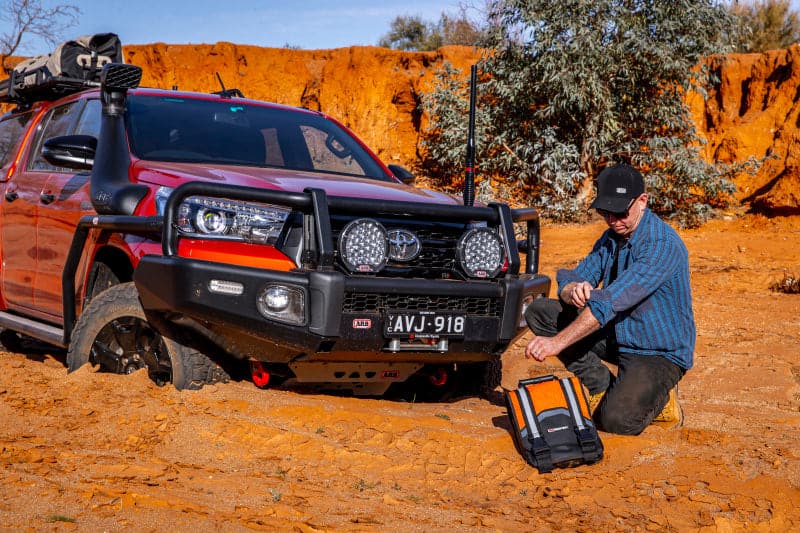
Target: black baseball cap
[616,187]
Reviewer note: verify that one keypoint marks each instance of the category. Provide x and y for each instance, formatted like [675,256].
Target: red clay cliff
[753,112]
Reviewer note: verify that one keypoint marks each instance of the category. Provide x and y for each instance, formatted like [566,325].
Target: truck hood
[174,174]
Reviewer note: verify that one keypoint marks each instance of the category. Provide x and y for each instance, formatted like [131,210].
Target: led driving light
[232,220]
[481,253]
[363,246]
[284,303]
[221,286]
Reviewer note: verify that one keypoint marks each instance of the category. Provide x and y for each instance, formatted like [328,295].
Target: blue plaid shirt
[650,302]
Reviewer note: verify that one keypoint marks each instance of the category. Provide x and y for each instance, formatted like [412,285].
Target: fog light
[221,286]
[284,303]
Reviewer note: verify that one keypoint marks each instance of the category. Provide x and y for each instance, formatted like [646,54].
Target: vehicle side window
[329,154]
[89,121]
[57,122]
[274,157]
[11,130]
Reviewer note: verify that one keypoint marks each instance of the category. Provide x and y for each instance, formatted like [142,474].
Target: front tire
[113,335]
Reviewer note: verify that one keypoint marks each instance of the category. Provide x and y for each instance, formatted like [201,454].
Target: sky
[306,24]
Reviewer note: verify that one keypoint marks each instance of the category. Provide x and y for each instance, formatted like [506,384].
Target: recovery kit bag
[552,425]
[74,61]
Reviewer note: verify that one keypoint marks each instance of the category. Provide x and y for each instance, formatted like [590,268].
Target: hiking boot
[671,416]
[594,401]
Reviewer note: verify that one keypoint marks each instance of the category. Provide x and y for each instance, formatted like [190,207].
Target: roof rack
[16,90]
[72,67]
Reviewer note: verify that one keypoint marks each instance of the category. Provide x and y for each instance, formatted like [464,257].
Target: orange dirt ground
[94,452]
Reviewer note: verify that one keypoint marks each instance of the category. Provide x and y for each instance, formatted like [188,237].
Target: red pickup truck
[181,232]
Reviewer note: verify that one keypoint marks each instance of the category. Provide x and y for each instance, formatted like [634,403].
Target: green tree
[25,18]
[414,33]
[766,25]
[572,86]
[410,33]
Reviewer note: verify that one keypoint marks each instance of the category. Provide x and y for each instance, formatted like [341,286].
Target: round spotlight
[481,253]
[363,246]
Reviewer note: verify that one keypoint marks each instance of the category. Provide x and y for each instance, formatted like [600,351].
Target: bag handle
[535,380]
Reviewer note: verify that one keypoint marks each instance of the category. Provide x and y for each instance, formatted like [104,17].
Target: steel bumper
[176,287]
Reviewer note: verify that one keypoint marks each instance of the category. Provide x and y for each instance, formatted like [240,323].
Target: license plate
[424,324]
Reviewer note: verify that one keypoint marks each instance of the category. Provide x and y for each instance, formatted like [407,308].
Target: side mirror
[402,174]
[71,151]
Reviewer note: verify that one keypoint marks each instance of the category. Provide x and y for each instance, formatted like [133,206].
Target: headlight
[363,245]
[242,221]
[481,253]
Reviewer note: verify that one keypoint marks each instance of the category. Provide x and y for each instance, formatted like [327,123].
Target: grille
[437,258]
[357,302]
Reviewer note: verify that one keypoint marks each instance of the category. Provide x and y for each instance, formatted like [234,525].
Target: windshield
[166,128]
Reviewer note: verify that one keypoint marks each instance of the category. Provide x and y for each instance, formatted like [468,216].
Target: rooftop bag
[73,64]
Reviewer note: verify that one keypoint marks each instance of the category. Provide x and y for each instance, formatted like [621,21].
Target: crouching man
[628,303]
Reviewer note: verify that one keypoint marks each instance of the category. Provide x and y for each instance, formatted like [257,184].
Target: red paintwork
[235,253]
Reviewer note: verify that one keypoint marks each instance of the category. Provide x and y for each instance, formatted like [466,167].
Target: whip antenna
[469,171]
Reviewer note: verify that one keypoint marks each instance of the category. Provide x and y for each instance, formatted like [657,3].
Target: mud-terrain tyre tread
[197,370]
[492,377]
[191,369]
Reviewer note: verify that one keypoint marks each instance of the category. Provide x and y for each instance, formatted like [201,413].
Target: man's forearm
[581,327]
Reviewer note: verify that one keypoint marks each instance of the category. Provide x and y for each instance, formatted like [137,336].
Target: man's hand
[540,348]
[577,293]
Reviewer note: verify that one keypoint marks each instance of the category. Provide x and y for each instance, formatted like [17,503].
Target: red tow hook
[259,374]
[439,378]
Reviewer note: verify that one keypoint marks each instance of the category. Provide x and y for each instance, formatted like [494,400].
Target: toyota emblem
[403,245]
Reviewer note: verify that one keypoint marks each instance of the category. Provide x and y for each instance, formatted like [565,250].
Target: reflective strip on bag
[530,418]
[574,408]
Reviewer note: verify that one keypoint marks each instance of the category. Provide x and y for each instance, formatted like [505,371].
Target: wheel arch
[117,260]
[107,260]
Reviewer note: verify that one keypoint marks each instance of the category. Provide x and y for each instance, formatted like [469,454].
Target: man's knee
[542,316]
[619,422]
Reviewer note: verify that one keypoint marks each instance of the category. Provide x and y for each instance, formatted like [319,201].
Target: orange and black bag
[552,426]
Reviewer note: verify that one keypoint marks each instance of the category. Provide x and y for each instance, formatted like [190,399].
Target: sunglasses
[618,215]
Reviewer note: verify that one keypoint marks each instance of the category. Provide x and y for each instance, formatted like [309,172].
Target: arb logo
[362,323]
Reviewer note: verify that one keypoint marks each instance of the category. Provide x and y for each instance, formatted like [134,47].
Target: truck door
[12,130]
[21,213]
[64,200]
